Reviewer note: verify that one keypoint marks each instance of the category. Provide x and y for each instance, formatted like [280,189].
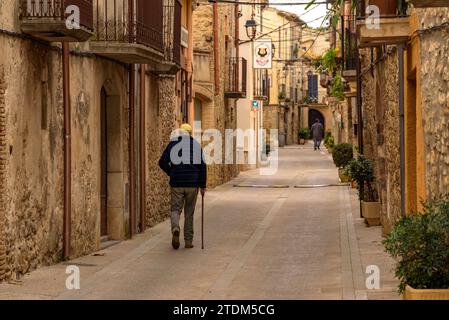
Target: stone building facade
[214,62]
[284,78]
[425,119]
[380,96]
[313,46]
[32,147]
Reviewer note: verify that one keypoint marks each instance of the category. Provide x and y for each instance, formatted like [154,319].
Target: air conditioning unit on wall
[184,37]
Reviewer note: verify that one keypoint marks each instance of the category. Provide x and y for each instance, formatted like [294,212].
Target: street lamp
[251,28]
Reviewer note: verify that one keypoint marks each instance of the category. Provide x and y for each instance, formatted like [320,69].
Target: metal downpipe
[67,151]
[401,123]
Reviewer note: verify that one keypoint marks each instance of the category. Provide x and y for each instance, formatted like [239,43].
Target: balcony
[349,46]
[140,32]
[261,85]
[47,20]
[235,86]
[392,27]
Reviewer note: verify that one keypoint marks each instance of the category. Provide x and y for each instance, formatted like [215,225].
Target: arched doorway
[315,114]
[111,167]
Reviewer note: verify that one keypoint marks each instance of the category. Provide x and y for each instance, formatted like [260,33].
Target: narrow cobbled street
[293,235]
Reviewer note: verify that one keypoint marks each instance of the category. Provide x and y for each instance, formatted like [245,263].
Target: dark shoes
[175,239]
[189,246]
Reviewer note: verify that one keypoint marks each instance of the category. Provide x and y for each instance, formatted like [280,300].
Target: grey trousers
[183,198]
[317,144]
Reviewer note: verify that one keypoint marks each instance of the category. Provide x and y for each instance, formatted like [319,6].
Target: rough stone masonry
[3,268]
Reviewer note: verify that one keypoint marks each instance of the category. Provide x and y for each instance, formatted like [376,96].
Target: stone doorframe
[116,193]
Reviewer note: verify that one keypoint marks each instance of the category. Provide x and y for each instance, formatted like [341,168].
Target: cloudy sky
[316,13]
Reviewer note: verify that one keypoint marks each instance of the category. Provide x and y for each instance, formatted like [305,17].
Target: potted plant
[304,134]
[361,171]
[329,141]
[342,154]
[281,95]
[420,244]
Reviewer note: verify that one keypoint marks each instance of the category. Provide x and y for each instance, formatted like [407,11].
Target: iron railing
[172,30]
[235,86]
[139,21]
[177,33]
[261,84]
[57,10]
[349,42]
[387,8]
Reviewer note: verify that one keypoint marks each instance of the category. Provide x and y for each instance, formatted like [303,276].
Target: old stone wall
[31,148]
[220,113]
[380,95]
[161,121]
[434,79]
[33,193]
[34,138]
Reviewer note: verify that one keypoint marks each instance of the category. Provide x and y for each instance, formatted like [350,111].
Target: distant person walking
[317,134]
[183,161]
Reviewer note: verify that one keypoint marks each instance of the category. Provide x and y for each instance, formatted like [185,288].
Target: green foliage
[317,63]
[338,87]
[342,154]
[304,133]
[329,141]
[329,60]
[306,99]
[282,95]
[361,171]
[420,244]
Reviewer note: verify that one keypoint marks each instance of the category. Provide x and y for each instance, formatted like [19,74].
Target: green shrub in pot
[420,245]
[361,170]
[304,133]
[342,154]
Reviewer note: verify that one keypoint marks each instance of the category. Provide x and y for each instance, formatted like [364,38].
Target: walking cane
[202,221]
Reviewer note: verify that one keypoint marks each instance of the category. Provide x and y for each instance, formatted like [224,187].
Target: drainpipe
[401,124]
[237,31]
[67,152]
[359,112]
[216,51]
[237,47]
[132,174]
[359,105]
[142,150]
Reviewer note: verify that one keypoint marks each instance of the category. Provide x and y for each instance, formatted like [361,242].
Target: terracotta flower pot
[343,176]
[371,212]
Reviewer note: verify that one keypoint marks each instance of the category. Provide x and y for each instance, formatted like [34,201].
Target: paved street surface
[301,238]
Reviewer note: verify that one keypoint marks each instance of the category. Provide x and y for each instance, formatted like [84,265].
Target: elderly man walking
[317,134]
[183,161]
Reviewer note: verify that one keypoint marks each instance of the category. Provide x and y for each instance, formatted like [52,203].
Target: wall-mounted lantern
[251,28]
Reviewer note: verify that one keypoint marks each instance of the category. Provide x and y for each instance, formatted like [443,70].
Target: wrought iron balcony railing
[139,31]
[261,85]
[349,42]
[390,26]
[235,86]
[54,20]
[121,21]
